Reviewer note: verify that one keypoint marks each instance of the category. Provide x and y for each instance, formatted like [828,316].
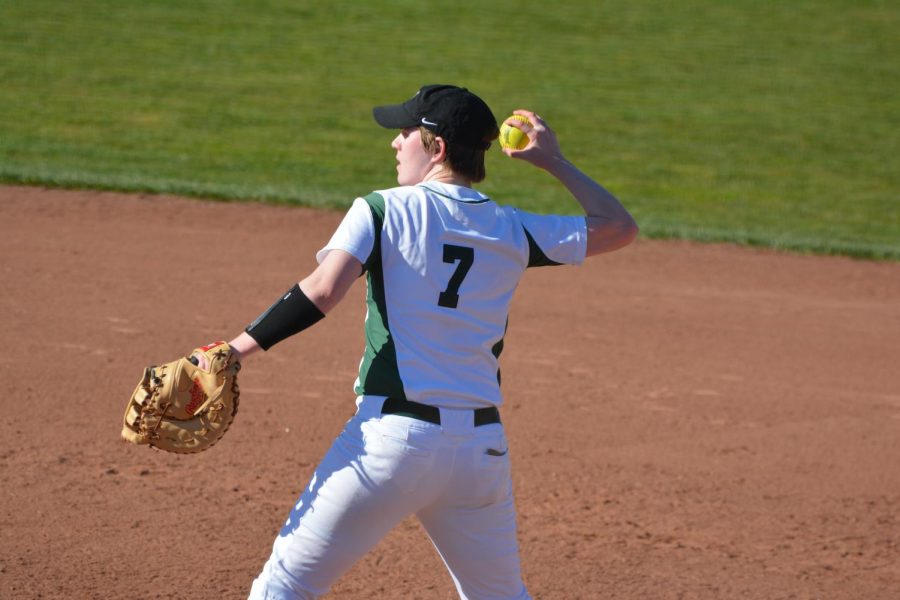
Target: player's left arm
[324,288]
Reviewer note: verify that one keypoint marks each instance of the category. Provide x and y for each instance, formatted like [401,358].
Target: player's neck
[443,174]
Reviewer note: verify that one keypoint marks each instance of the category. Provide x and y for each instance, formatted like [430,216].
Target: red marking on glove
[198,397]
[211,346]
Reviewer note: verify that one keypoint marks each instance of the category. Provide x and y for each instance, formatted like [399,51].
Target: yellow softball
[512,137]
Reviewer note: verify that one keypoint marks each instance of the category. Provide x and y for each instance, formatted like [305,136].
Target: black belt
[431,414]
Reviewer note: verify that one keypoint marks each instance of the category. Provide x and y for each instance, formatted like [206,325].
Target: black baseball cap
[454,113]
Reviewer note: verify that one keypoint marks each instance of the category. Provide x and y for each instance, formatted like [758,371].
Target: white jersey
[442,263]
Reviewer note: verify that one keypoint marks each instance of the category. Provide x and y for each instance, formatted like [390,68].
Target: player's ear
[440,150]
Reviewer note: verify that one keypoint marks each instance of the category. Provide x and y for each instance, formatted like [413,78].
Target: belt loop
[455,421]
[368,407]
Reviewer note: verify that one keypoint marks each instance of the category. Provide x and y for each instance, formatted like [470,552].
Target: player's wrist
[558,165]
[243,345]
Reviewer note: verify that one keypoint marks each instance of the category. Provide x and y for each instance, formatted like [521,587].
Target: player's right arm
[609,225]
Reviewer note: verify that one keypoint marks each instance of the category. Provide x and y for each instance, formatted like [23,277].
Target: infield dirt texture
[686,421]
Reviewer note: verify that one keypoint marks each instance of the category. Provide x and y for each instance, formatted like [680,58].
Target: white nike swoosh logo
[427,122]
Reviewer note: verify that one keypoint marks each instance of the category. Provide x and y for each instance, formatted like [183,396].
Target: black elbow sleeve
[291,314]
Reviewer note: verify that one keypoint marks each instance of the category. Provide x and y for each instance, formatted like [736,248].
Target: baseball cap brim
[394,116]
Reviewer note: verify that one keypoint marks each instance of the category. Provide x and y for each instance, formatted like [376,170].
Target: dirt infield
[685,421]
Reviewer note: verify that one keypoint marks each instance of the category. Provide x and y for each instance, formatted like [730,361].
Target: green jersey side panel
[378,372]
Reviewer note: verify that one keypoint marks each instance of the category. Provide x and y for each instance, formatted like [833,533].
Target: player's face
[414,162]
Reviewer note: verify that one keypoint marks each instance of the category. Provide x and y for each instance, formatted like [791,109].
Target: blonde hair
[464,161]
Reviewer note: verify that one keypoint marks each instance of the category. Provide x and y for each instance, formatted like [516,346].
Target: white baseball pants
[454,477]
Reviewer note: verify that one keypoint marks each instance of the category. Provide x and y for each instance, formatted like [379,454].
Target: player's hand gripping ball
[513,137]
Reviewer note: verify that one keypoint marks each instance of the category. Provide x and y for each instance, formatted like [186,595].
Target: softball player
[441,262]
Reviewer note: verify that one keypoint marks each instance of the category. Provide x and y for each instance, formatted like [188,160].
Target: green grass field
[773,124]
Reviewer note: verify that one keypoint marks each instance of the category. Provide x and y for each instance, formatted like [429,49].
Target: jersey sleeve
[554,239]
[355,234]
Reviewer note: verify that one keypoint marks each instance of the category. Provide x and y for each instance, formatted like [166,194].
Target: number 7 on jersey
[449,298]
